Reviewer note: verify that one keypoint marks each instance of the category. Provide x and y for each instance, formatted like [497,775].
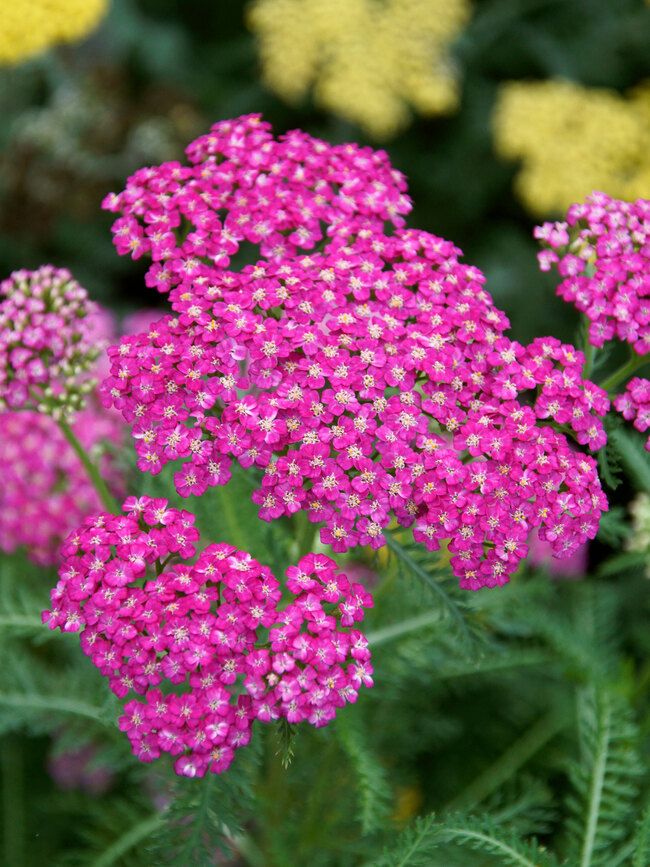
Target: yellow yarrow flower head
[30,26]
[573,139]
[367,60]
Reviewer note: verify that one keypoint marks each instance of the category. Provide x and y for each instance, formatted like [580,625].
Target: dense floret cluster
[283,196]
[49,333]
[45,491]
[602,252]
[370,382]
[154,623]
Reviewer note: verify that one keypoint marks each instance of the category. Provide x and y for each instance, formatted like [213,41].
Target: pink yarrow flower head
[243,186]
[49,332]
[371,382]
[45,490]
[602,253]
[209,645]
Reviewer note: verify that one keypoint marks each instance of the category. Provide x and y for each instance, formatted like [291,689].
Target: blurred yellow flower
[367,59]
[572,140]
[30,26]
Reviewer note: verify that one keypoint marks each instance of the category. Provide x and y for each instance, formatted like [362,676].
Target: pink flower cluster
[48,340]
[370,382]
[45,491]
[243,186]
[634,404]
[207,644]
[602,252]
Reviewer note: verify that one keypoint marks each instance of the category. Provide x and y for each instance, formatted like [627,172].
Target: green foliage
[633,456]
[641,841]
[414,847]
[614,526]
[480,834]
[285,734]
[610,461]
[206,815]
[414,563]
[371,779]
[605,779]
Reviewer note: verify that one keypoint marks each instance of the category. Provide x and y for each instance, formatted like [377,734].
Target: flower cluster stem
[623,372]
[93,473]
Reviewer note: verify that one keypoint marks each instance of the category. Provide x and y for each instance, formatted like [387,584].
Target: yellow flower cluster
[30,26]
[367,59]
[572,140]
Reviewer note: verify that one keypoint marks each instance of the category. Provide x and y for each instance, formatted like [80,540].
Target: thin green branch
[413,566]
[56,705]
[424,831]
[396,630]
[198,819]
[140,831]
[305,532]
[91,469]
[509,762]
[492,842]
[596,788]
[623,372]
[22,621]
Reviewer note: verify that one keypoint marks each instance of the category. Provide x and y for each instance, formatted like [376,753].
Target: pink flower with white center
[609,279]
[243,185]
[351,454]
[183,635]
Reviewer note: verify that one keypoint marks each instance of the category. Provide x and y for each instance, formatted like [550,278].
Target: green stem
[414,567]
[590,353]
[389,633]
[623,372]
[22,621]
[131,838]
[93,473]
[488,840]
[505,767]
[305,532]
[597,787]
[56,705]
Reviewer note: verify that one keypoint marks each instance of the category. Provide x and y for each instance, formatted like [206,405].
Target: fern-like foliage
[614,526]
[605,781]
[37,696]
[286,734]
[114,834]
[632,456]
[205,816]
[414,847]
[641,841]
[610,464]
[481,834]
[21,602]
[414,562]
[427,843]
[372,783]
[581,629]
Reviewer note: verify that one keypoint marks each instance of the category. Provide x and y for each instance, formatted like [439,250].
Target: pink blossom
[202,627]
